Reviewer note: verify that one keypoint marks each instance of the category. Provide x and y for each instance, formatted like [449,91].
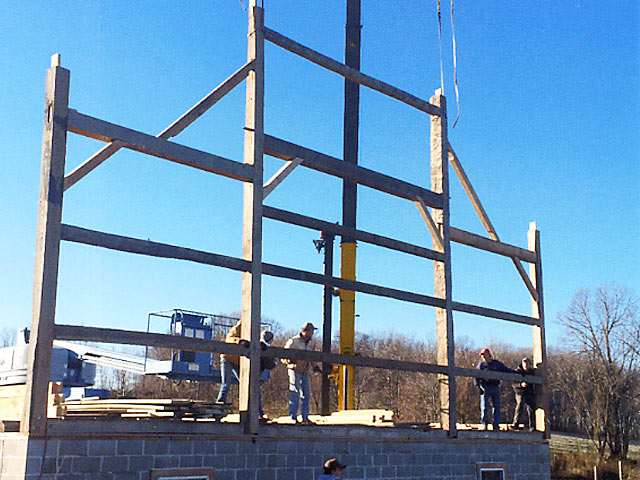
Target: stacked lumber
[144,408]
[12,401]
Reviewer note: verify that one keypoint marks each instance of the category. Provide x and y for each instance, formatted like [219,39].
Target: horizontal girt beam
[369,178]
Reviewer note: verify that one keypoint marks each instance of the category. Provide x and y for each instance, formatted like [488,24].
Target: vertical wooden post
[539,343]
[45,277]
[252,223]
[442,270]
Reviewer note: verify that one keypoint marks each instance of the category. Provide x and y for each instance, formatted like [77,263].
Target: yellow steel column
[347,325]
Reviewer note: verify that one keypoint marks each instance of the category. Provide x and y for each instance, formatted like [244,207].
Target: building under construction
[47,443]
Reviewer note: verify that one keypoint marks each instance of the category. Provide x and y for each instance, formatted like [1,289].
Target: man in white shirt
[299,387]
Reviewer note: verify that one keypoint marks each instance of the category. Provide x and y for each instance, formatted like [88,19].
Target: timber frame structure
[60,119]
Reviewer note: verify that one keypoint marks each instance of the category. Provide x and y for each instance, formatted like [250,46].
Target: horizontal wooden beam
[355,360]
[172,130]
[484,243]
[349,73]
[335,229]
[491,375]
[129,337]
[146,247]
[155,249]
[325,163]
[492,313]
[319,279]
[158,147]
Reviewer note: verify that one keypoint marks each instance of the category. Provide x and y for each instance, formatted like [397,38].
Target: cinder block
[372,472]
[225,475]
[275,461]
[380,459]
[266,474]
[204,447]
[73,448]
[155,446]
[235,461]
[129,447]
[165,461]
[114,464]
[388,472]
[181,447]
[300,474]
[266,446]
[85,464]
[140,463]
[245,474]
[289,447]
[191,461]
[102,447]
[226,446]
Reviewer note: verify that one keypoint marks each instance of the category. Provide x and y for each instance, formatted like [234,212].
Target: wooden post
[539,343]
[45,277]
[620,476]
[442,270]
[252,223]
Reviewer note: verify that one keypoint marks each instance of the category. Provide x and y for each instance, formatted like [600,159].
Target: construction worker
[229,364]
[332,470]
[299,386]
[490,389]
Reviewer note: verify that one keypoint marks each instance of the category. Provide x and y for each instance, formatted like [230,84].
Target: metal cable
[440,43]
[455,69]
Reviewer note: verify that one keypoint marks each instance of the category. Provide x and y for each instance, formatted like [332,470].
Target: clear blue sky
[549,132]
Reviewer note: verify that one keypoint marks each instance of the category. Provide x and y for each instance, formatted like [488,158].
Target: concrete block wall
[265,459]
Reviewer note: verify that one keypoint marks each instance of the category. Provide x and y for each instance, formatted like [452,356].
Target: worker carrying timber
[299,386]
[490,388]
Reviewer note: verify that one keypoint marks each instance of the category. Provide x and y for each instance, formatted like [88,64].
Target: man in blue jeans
[298,370]
[490,389]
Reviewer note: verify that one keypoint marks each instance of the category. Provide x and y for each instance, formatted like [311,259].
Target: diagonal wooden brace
[172,130]
[484,218]
[433,228]
[280,175]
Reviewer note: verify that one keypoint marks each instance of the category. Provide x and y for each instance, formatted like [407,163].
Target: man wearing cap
[525,396]
[299,387]
[333,470]
[490,388]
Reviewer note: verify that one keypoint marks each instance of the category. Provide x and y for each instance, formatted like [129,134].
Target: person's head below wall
[334,467]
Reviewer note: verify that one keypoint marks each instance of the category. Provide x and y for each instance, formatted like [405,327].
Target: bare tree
[602,377]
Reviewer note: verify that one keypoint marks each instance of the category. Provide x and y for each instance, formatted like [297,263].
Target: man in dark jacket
[525,396]
[490,389]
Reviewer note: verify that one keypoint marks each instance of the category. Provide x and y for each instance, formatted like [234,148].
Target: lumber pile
[12,401]
[144,408]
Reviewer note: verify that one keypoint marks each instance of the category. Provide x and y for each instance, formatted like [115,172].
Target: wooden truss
[60,119]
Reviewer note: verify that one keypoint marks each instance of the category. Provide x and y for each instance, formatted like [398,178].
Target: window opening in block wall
[491,471]
[182,474]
